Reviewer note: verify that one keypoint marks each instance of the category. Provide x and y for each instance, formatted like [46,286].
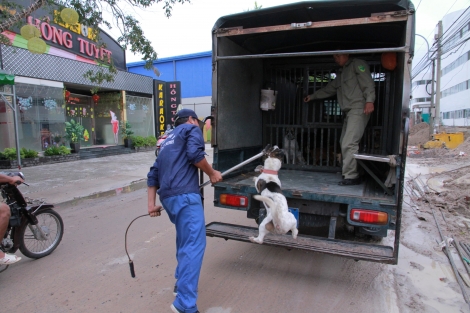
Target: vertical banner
[159,91]
[173,99]
[167,97]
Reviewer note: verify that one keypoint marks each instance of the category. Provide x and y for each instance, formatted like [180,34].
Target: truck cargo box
[287,50]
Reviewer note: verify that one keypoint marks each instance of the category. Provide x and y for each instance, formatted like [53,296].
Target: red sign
[58,36]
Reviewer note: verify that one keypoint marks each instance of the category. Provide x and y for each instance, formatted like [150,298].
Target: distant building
[421,101]
[455,76]
[194,71]
[455,71]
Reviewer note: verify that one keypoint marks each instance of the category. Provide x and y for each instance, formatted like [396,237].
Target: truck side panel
[239,122]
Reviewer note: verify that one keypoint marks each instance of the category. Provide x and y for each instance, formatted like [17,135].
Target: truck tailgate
[320,186]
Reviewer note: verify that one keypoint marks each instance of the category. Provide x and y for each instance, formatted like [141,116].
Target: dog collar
[269,171]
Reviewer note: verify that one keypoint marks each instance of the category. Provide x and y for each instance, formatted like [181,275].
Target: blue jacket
[173,172]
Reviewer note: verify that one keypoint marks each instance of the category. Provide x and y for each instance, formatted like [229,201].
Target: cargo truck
[264,62]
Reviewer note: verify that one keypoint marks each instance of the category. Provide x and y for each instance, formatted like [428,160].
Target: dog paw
[294,233]
[255,240]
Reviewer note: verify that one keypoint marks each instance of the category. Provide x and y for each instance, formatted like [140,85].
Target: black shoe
[175,291]
[350,181]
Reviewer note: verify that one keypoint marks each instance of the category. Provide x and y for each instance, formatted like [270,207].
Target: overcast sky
[189,29]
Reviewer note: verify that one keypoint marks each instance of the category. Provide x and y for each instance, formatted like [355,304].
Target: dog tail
[264,199]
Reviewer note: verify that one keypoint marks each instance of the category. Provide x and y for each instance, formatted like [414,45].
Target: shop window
[140,115]
[80,109]
[108,103]
[41,115]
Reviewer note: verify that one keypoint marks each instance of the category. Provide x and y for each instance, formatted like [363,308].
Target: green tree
[257,7]
[90,13]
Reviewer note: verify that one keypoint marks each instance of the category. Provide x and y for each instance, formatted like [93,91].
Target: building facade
[51,89]
[455,70]
[194,71]
[421,101]
[454,95]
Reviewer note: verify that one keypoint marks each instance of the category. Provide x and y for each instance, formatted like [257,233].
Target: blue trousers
[186,212]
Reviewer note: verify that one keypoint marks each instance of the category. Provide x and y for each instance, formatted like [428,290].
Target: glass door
[80,109]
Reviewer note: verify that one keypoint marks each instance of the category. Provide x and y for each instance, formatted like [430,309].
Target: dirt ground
[439,181]
[436,206]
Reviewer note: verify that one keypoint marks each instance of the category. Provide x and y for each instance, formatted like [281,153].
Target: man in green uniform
[355,91]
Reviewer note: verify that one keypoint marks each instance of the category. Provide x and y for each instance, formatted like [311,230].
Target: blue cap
[185,113]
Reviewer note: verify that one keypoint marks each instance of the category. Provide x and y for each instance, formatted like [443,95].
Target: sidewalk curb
[133,186]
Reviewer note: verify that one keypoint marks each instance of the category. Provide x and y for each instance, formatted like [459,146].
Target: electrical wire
[450,32]
[420,67]
[418,5]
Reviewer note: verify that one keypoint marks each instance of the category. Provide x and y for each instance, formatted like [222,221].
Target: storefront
[51,89]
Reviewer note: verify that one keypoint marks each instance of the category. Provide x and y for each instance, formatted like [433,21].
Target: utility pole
[438,76]
[432,108]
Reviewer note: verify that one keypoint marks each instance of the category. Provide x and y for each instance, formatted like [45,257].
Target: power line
[426,62]
[418,5]
[444,15]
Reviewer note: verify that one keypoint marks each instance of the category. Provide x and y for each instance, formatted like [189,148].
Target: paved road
[89,270]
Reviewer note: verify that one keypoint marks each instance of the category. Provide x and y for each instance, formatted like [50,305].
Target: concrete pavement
[62,183]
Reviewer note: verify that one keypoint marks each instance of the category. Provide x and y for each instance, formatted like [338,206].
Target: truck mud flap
[354,250]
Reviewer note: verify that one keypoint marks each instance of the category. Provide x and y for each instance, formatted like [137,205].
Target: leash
[131,263]
[267,150]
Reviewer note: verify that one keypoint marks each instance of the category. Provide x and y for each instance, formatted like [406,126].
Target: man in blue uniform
[175,175]
[355,91]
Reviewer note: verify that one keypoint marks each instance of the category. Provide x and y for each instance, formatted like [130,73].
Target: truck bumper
[354,250]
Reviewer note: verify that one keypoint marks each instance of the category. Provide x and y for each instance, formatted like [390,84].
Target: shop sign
[73,100]
[58,36]
[167,99]
[173,96]
[75,38]
[160,107]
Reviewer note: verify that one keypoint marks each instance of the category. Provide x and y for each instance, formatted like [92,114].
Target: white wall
[459,100]
[200,105]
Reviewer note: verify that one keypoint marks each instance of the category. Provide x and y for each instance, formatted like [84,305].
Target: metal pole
[15,122]
[259,155]
[432,109]
[438,74]
[427,43]
[312,53]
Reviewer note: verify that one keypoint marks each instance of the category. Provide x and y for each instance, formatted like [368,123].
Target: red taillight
[234,200]
[369,217]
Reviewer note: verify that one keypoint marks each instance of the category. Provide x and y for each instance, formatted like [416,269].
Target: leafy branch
[90,14]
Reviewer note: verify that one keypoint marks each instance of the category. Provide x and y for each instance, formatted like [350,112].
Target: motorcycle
[161,139]
[169,129]
[36,230]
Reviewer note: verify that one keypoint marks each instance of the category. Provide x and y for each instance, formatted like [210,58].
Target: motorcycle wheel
[35,247]
[156,152]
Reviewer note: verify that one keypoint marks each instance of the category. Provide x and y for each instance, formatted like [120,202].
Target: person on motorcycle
[6,259]
[168,130]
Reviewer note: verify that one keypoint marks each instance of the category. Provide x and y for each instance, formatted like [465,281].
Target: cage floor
[319,183]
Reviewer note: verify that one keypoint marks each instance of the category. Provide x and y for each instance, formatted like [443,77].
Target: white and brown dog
[278,219]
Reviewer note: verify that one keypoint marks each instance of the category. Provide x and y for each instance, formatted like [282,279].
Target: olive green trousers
[353,128]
